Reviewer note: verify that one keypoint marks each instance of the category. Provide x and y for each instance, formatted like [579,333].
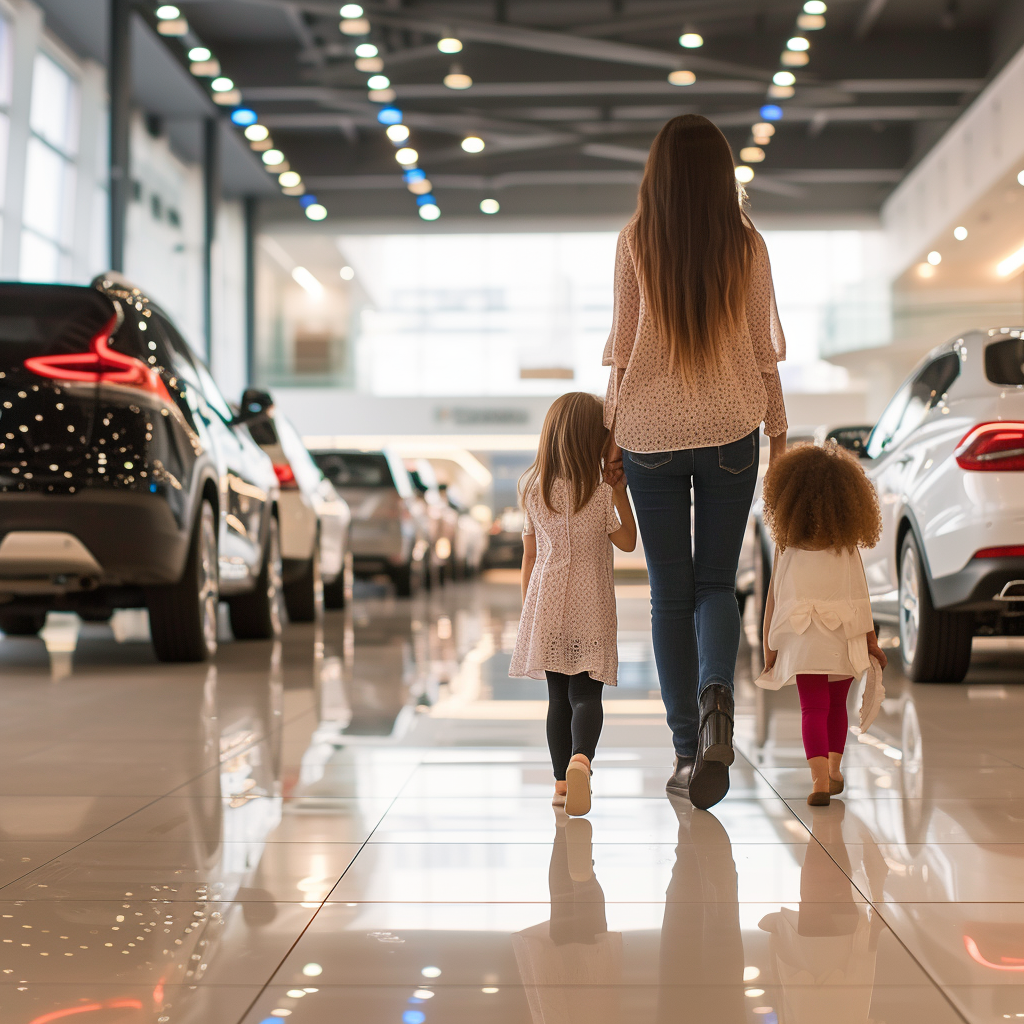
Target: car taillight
[286,477]
[992,447]
[1007,551]
[101,364]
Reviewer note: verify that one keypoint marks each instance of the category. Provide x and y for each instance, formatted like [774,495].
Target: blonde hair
[572,443]
[694,246]
[818,498]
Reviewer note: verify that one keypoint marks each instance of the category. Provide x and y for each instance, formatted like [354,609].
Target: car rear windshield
[1004,361]
[355,469]
[38,320]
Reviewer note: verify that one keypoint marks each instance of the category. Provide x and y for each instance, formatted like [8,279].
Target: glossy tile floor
[353,826]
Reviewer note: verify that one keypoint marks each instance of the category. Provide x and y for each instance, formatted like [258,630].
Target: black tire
[183,617]
[258,614]
[95,614]
[338,591]
[935,646]
[409,578]
[22,623]
[304,596]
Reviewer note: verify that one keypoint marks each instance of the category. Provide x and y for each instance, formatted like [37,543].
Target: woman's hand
[614,475]
[769,657]
[776,447]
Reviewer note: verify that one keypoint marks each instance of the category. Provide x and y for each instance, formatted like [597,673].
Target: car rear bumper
[102,538]
[976,587]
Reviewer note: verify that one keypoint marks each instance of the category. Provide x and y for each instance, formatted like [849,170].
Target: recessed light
[960,233]
[449,45]
[473,144]
[744,174]
[691,40]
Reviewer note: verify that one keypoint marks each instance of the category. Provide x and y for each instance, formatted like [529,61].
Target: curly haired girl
[818,631]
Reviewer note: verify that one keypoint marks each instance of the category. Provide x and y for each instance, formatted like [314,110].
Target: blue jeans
[694,615]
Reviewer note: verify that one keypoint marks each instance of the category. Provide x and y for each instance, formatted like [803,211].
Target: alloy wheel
[275,584]
[209,583]
[910,604]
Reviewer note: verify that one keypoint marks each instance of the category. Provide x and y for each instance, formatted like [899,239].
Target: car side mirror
[255,403]
[853,439]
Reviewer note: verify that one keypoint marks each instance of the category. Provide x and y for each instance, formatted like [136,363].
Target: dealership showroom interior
[511,511]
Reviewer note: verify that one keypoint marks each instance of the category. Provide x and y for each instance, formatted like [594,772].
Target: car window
[1004,362]
[217,401]
[907,411]
[355,469]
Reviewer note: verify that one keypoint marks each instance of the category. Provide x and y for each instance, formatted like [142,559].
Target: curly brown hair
[818,497]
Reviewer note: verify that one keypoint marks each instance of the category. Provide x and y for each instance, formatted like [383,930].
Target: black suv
[125,479]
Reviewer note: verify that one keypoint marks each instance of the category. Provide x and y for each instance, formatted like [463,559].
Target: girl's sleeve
[767,338]
[625,320]
[611,516]
[527,521]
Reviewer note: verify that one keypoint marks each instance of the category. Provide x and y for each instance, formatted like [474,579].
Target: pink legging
[823,714]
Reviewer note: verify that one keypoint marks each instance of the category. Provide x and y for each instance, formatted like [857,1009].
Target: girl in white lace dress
[567,632]
[818,630]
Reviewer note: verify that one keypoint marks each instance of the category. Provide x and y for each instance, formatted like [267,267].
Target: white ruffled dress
[822,617]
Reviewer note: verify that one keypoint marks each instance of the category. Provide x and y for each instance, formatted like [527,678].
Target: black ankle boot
[709,779]
[679,781]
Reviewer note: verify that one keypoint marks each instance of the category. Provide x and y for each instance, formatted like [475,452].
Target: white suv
[947,459]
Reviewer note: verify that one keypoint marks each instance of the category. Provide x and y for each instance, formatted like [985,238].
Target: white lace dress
[568,623]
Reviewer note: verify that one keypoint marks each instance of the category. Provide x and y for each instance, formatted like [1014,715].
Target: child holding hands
[818,630]
[567,632]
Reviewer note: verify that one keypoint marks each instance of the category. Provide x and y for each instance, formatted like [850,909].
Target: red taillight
[1009,551]
[992,447]
[286,477]
[101,364]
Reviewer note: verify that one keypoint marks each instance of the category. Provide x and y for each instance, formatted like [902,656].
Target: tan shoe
[577,799]
[836,786]
[818,799]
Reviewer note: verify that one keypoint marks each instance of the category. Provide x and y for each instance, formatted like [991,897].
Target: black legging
[575,717]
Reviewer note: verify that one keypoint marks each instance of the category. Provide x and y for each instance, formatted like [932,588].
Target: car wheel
[409,578]
[259,614]
[183,617]
[22,623]
[935,646]
[304,596]
[338,592]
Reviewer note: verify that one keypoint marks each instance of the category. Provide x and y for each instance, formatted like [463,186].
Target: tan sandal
[577,797]
[836,786]
[818,799]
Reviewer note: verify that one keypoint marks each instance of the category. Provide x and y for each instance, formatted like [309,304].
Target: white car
[315,520]
[947,459]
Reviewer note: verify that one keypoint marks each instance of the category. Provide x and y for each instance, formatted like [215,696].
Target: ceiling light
[369,64]
[308,200]
[815,7]
[378,82]
[381,95]
[301,276]
[751,973]
[312,970]
[347,273]
[295,190]
[489,206]
[473,144]
[960,233]
[262,145]
[289,179]
[770,112]
[691,40]
[407,156]
[780,92]
[355,27]
[934,258]
[797,43]
[423,993]
[1020,178]
[754,993]
[810,22]
[351,11]
[784,78]
[222,85]
[257,132]
[243,116]
[449,45]
[199,53]
[397,132]
[763,129]
[168,12]
[681,78]
[366,50]
[927,270]
[744,173]
[420,187]
[751,154]
[429,211]
[457,80]
[413,174]
[316,212]
[174,27]
[205,68]
[1011,263]
[389,115]
[794,59]
[273,156]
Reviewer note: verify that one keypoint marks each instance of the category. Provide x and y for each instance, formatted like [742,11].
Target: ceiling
[568,94]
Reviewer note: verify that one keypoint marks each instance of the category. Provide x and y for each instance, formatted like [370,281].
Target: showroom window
[6,41]
[49,173]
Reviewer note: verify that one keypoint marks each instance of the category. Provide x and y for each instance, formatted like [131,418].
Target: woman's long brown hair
[572,442]
[694,246]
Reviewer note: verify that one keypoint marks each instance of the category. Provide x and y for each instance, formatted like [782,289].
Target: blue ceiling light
[307,200]
[427,200]
[244,117]
[413,1017]
[771,112]
[389,115]
[416,174]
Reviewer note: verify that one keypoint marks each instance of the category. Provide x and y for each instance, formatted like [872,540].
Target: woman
[693,348]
